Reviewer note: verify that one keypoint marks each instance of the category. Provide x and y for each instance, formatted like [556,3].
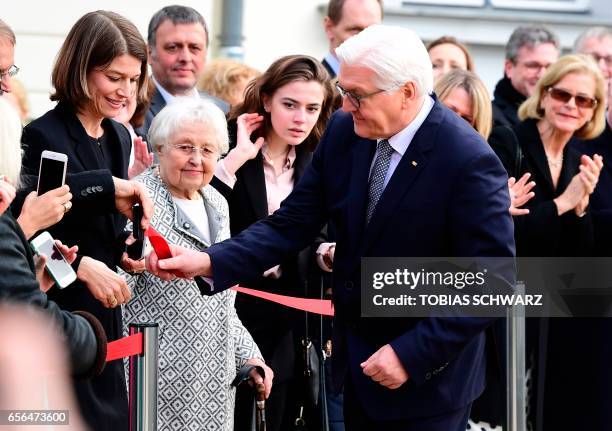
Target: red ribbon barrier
[124,347]
[318,306]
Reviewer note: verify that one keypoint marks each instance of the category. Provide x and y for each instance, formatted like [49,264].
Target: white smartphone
[52,172]
[57,266]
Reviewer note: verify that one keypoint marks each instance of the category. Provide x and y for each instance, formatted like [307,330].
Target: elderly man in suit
[177,41]
[399,175]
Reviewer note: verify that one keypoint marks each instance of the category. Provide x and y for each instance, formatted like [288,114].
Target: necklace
[555,163]
[273,157]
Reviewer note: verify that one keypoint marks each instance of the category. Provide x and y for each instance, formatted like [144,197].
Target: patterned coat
[202,341]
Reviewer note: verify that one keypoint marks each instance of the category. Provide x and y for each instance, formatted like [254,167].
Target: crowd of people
[282,181]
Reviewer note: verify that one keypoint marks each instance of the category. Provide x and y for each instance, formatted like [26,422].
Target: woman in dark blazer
[102,61]
[286,110]
[568,102]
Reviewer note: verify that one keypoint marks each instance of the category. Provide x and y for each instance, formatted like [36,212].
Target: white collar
[169,97]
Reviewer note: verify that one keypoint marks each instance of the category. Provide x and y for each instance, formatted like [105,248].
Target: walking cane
[259,408]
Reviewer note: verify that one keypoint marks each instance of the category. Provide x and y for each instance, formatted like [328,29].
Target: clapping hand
[520,194]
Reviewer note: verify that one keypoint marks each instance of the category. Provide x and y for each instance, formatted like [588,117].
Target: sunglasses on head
[565,96]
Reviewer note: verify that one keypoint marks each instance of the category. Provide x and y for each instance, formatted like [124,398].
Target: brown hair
[282,72]
[94,41]
[142,106]
[334,10]
[576,63]
[453,41]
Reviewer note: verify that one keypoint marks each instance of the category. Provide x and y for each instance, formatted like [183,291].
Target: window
[547,5]
[469,3]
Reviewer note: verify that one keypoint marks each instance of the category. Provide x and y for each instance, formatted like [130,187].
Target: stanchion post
[143,379]
[515,355]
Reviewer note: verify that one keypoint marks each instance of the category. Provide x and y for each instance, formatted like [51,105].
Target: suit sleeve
[243,258]
[19,284]
[480,226]
[92,191]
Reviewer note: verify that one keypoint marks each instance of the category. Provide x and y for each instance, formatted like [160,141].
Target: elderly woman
[568,386]
[202,339]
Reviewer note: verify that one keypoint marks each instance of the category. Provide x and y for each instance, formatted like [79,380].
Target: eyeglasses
[352,97]
[12,71]
[565,96]
[607,59]
[534,65]
[188,150]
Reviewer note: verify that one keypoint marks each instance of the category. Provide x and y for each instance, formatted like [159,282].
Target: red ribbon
[124,347]
[318,306]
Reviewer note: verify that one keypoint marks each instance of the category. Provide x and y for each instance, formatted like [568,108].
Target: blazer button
[187,225]
[84,193]
[348,285]
[99,188]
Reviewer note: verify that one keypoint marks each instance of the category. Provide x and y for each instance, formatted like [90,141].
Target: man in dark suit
[398,174]
[346,18]
[529,51]
[177,42]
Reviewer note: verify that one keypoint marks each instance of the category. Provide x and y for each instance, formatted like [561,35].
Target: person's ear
[508,68]
[328,26]
[409,91]
[266,102]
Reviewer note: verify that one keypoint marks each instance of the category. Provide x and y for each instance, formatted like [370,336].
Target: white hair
[395,54]
[10,142]
[188,110]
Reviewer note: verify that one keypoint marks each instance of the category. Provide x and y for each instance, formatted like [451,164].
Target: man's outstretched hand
[186,262]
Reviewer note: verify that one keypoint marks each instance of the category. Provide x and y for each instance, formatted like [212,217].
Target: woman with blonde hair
[464,92]
[227,79]
[568,102]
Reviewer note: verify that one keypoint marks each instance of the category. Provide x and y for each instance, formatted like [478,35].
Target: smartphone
[135,251]
[57,266]
[52,172]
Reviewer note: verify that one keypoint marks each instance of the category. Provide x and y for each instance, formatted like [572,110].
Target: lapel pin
[414,163]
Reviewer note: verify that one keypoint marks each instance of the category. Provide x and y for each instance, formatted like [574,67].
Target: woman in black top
[101,63]
[568,102]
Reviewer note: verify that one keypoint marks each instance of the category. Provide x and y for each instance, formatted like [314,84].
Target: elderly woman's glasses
[565,96]
[188,150]
[12,71]
[352,97]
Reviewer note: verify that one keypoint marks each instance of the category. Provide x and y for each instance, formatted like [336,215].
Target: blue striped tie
[377,179]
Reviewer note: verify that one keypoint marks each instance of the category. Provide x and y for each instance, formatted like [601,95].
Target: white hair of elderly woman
[186,110]
[10,142]
[395,54]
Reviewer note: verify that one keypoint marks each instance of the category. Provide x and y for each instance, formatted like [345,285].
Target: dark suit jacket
[158,103]
[97,229]
[329,69]
[447,197]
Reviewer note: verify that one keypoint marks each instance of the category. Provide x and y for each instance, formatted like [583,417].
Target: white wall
[42,25]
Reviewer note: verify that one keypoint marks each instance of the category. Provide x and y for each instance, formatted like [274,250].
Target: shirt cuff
[324,248]
[222,174]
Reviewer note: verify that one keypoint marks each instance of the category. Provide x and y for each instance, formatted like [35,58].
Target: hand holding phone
[135,251]
[56,264]
[52,172]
